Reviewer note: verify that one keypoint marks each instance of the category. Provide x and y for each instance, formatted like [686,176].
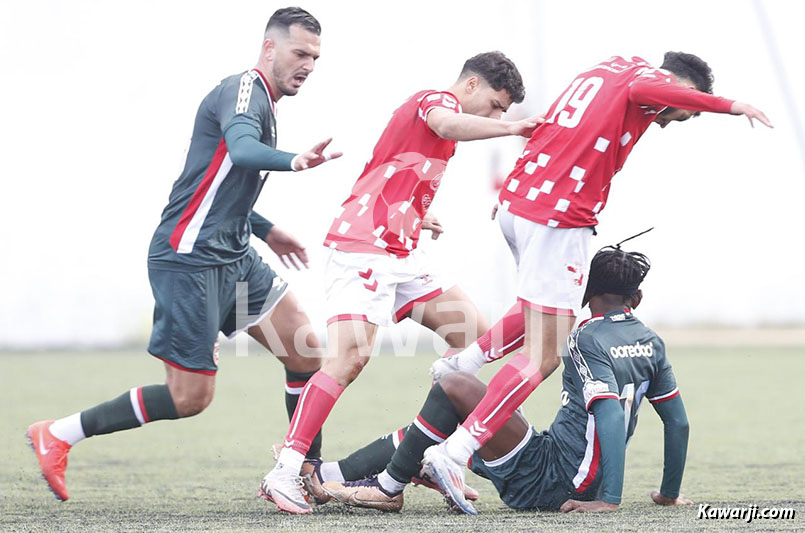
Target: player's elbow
[240,156]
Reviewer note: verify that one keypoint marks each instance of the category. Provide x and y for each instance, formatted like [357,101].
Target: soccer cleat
[443,366]
[449,475]
[311,480]
[364,493]
[52,455]
[424,480]
[285,490]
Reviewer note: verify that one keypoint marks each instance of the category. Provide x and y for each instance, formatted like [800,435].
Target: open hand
[431,223]
[740,108]
[315,156]
[290,251]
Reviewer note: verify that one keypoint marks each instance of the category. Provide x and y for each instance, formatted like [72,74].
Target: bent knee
[192,402]
[462,385]
[345,370]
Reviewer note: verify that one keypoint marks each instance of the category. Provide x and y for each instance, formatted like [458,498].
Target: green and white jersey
[206,222]
[608,356]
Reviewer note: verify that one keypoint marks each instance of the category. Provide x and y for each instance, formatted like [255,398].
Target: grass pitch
[744,404]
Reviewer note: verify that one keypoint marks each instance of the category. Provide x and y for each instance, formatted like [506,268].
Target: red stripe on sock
[315,403]
[430,427]
[142,404]
[507,390]
[295,384]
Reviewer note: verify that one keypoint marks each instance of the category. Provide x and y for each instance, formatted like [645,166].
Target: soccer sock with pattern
[509,388]
[503,338]
[294,383]
[317,400]
[366,462]
[130,410]
[437,419]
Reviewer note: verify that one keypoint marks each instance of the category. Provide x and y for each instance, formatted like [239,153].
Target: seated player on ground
[611,363]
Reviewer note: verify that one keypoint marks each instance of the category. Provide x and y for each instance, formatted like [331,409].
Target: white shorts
[377,288]
[552,263]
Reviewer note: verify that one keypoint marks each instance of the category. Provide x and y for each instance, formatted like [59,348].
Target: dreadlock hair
[614,271]
[690,67]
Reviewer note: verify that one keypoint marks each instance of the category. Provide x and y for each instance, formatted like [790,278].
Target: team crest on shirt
[436,182]
[426,201]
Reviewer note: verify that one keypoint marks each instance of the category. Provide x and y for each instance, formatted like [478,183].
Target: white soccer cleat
[449,475]
[285,489]
[443,366]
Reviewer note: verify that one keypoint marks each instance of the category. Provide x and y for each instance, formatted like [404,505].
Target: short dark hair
[498,71]
[690,67]
[613,271]
[287,16]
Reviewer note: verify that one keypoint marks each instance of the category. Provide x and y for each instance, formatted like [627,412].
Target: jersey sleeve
[593,366]
[663,387]
[245,103]
[659,89]
[437,99]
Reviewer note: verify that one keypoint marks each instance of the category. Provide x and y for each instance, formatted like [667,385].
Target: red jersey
[562,178]
[383,214]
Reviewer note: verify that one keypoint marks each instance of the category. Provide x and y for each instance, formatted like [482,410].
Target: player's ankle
[390,486]
[461,445]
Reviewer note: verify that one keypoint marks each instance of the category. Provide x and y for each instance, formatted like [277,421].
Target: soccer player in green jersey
[200,260]
[612,362]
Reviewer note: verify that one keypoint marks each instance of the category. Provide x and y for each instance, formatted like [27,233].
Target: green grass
[744,404]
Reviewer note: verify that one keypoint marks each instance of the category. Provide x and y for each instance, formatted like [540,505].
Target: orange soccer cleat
[52,455]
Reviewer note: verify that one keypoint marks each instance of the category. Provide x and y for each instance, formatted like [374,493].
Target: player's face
[484,101]
[294,57]
[672,114]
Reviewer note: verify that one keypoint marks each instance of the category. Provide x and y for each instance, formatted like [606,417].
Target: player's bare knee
[461,387]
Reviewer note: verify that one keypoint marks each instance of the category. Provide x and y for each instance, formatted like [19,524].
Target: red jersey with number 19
[563,177]
[383,214]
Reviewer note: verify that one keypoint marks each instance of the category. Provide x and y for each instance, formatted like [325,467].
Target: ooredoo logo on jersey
[632,350]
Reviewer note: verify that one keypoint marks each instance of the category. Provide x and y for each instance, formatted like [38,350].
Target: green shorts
[528,477]
[191,307]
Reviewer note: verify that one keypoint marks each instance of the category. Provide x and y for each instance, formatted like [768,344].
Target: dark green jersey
[607,356]
[206,222]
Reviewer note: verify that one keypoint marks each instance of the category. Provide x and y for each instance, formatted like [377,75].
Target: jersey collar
[271,100]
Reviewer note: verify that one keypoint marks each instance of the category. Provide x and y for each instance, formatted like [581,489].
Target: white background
[99,100]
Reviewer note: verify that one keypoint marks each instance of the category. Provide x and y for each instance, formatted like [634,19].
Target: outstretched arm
[676,430]
[464,127]
[246,150]
[656,91]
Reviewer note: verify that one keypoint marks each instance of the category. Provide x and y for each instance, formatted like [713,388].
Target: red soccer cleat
[52,455]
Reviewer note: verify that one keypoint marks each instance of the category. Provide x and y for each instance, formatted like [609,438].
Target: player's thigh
[251,291]
[553,266]
[186,318]
[545,333]
[191,392]
[349,347]
[453,316]
[287,333]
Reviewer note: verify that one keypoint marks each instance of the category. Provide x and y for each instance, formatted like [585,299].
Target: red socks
[315,403]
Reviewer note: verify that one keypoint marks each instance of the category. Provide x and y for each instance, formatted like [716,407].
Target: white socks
[290,459]
[390,484]
[68,429]
[470,359]
[331,472]
[461,445]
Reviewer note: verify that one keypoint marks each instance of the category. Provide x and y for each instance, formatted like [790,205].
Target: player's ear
[472,84]
[636,298]
[268,49]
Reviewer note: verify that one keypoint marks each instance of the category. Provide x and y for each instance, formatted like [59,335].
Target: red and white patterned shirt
[383,214]
[563,177]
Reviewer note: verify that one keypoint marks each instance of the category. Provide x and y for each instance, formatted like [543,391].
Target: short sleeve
[438,99]
[593,366]
[663,387]
[243,103]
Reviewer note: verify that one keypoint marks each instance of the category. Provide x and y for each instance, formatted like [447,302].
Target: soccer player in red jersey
[375,275]
[547,211]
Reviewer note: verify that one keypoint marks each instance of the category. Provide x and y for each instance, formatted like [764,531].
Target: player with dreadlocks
[611,363]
